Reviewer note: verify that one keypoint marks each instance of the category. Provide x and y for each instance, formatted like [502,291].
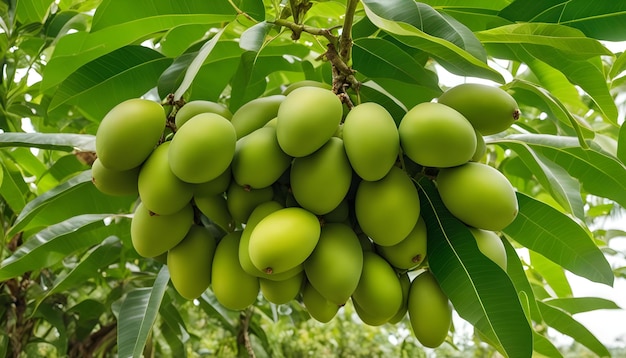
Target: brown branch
[298,29]
[243,338]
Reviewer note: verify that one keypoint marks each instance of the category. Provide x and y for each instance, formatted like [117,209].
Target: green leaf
[605,20]
[89,265]
[13,189]
[600,173]
[253,38]
[137,315]
[475,285]
[534,37]
[371,91]
[554,179]
[28,11]
[574,305]
[225,317]
[389,16]
[621,143]
[544,347]
[547,231]
[619,66]
[476,19]
[196,63]
[125,73]
[77,49]
[553,274]
[518,276]
[376,57]
[564,323]
[56,242]
[73,197]
[57,141]
[179,39]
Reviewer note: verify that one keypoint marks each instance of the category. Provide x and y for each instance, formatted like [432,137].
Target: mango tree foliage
[73,285]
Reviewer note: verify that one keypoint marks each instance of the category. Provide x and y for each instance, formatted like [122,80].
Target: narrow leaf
[545,230]
[481,293]
[518,276]
[554,179]
[253,38]
[553,274]
[226,318]
[13,188]
[574,305]
[621,143]
[58,141]
[137,315]
[545,347]
[58,241]
[195,65]
[566,324]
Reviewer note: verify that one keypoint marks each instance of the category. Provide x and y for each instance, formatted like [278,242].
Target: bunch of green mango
[294,197]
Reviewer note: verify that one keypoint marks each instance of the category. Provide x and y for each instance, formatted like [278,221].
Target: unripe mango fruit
[334,267]
[281,292]
[371,140]
[160,190]
[118,143]
[215,208]
[321,309]
[435,135]
[190,262]
[408,253]
[305,83]
[232,286]
[479,195]
[429,310]
[320,181]
[113,182]
[153,235]
[379,292]
[260,212]
[388,209]
[307,118]
[258,161]
[193,108]
[283,240]
[405,282]
[255,114]
[203,148]
[490,244]
[242,200]
[214,186]
[489,109]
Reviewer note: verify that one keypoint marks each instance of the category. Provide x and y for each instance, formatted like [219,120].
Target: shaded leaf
[28,11]
[57,141]
[137,315]
[225,317]
[13,188]
[518,276]
[126,73]
[58,241]
[553,274]
[389,17]
[564,323]
[474,284]
[544,229]
[253,38]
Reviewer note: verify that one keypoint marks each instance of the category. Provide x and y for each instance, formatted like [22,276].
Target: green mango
[305,83]
[258,161]
[203,148]
[118,143]
[479,195]
[429,310]
[231,285]
[255,114]
[193,108]
[481,148]
[371,139]
[490,244]
[153,235]
[408,253]
[215,186]
[405,282]
[260,212]
[320,181]
[379,292]
[283,240]
[215,208]
[160,190]
[307,119]
[340,214]
[488,108]
[435,135]
[281,292]
[190,262]
[334,267]
[388,209]
[367,318]
[321,309]
[241,201]
[112,182]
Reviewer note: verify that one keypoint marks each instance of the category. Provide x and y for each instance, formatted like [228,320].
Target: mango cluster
[310,203]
